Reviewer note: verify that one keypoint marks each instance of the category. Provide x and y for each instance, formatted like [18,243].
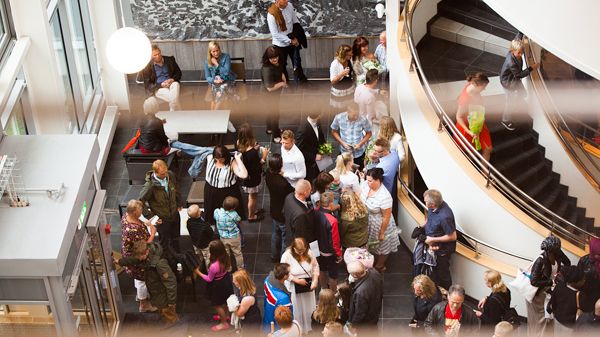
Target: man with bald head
[298,215]
[161,195]
[367,296]
[200,231]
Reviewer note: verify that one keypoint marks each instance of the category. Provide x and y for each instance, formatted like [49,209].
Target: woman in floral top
[133,229]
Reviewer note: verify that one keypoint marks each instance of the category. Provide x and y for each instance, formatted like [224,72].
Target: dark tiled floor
[197,312]
[445,61]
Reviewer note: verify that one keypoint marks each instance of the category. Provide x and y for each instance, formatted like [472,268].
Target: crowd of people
[320,213]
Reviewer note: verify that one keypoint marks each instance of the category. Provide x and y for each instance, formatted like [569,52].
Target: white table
[194,122]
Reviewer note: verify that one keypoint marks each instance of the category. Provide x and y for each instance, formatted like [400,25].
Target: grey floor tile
[397,306]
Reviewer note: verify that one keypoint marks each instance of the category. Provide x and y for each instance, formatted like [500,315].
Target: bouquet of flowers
[359,254]
[325,148]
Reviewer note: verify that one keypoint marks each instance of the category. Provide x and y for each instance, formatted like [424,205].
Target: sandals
[220,327]
[258,218]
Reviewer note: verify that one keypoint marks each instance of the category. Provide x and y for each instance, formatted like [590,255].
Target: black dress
[251,159]
[252,320]
[271,75]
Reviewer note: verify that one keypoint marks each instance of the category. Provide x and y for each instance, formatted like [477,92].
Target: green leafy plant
[325,148]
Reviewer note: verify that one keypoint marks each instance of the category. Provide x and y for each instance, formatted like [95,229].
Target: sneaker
[145,306]
[508,125]
[231,128]
[277,140]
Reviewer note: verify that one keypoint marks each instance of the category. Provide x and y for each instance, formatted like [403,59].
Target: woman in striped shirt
[222,173]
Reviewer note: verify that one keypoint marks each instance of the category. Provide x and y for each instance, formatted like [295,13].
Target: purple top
[214,272]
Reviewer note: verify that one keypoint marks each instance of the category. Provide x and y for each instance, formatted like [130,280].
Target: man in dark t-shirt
[279,188]
[440,230]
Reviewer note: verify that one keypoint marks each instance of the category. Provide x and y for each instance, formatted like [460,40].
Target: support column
[62,312]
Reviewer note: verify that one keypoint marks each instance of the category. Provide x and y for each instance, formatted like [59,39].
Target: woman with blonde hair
[327,311]
[427,295]
[341,76]
[248,310]
[354,226]
[302,282]
[344,169]
[492,307]
[253,157]
[389,132]
[219,76]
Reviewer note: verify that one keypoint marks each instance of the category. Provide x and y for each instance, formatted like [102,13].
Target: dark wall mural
[240,19]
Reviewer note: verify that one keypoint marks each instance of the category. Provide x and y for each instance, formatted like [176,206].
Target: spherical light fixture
[380,9]
[128,50]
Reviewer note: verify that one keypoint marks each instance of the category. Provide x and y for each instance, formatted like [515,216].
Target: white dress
[305,303]
[375,203]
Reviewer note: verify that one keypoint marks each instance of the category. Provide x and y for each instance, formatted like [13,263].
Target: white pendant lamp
[128,50]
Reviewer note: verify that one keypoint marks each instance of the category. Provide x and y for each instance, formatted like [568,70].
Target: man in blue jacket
[276,294]
[510,77]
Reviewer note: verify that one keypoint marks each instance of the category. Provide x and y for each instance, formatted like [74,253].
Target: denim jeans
[198,152]
[279,238]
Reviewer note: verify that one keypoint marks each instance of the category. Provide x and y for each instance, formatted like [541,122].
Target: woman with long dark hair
[253,157]
[219,286]
[222,174]
[274,81]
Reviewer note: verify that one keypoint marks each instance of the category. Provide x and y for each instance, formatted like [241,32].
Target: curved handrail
[550,220]
[558,122]
[424,207]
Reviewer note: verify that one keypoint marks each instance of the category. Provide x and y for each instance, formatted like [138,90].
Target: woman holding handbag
[302,282]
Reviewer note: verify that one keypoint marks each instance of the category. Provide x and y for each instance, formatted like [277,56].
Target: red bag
[132,142]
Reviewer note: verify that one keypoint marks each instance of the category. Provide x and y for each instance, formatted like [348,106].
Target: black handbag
[299,289]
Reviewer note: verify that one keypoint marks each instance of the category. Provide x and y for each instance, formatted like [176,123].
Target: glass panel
[102,281]
[16,122]
[79,45]
[89,39]
[61,59]
[80,302]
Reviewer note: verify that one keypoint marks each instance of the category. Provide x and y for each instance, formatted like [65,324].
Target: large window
[5,28]
[58,41]
[76,54]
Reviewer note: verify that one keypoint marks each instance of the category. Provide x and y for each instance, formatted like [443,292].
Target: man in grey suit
[298,214]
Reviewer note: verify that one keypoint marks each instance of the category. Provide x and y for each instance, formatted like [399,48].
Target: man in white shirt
[365,96]
[281,18]
[294,168]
